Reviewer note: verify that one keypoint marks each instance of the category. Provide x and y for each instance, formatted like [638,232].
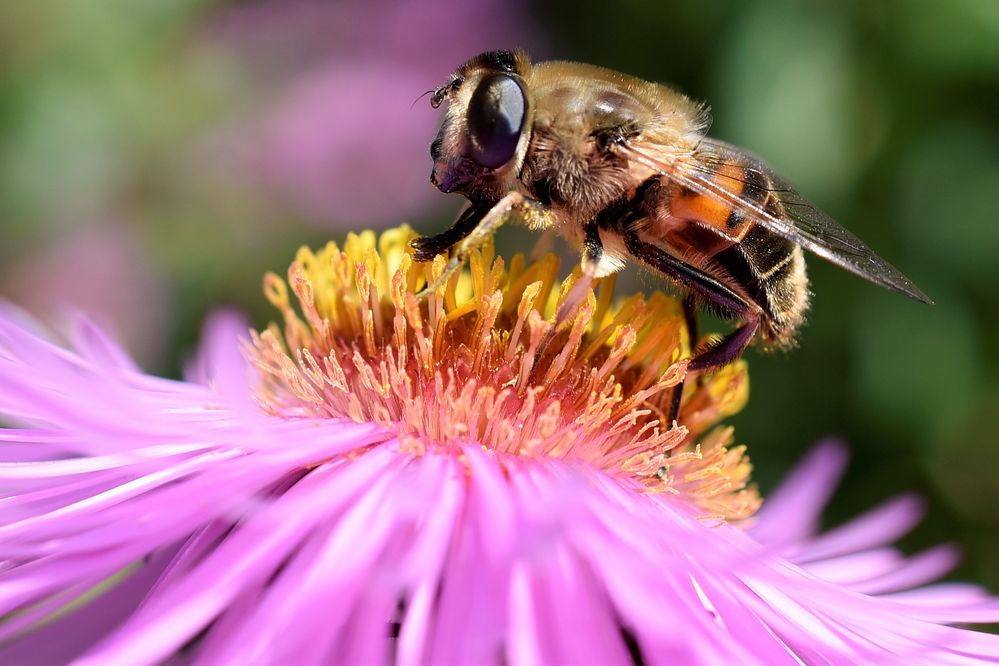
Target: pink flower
[397,481]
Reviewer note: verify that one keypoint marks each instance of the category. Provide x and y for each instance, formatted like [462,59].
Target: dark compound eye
[495,118]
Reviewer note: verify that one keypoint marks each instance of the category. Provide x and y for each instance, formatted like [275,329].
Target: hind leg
[690,319]
[697,281]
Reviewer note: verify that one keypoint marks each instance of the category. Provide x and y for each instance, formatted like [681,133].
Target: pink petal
[874,528]
[793,510]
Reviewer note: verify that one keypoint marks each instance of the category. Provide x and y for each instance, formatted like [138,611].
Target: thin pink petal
[793,510]
[222,366]
[243,559]
[920,569]
[877,527]
[93,344]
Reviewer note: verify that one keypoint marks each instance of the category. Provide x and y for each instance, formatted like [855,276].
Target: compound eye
[495,120]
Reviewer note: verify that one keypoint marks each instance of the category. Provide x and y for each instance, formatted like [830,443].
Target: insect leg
[715,356]
[513,204]
[689,277]
[690,318]
[428,247]
[593,247]
[728,350]
[708,287]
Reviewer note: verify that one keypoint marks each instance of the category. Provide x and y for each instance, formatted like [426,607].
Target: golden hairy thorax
[571,104]
[597,96]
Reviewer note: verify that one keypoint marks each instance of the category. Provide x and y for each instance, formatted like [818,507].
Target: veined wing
[799,220]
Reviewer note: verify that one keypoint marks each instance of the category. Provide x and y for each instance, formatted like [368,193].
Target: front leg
[471,231]
[428,247]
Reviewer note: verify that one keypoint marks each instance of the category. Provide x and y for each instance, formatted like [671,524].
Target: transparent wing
[800,222]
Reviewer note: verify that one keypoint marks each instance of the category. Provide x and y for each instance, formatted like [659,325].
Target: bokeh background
[158,156]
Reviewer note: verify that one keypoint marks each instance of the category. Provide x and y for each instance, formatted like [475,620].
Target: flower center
[481,361]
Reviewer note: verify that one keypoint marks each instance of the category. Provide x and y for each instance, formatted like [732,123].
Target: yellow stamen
[477,362]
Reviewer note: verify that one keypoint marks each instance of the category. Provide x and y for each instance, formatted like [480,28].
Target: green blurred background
[157,156]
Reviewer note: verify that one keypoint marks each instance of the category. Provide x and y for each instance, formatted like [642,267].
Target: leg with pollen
[428,247]
[474,228]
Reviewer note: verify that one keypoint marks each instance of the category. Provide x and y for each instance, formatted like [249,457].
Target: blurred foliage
[134,117]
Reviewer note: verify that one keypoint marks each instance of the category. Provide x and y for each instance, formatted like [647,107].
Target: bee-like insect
[622,168]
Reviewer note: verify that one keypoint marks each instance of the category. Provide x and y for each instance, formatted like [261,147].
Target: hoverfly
[622,168]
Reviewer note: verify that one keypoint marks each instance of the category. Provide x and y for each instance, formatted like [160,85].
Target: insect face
[482,140]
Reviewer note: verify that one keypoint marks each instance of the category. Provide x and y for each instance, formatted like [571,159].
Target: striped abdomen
[769,268]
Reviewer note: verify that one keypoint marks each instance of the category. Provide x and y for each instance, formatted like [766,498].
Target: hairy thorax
[582,111]
[568,169]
